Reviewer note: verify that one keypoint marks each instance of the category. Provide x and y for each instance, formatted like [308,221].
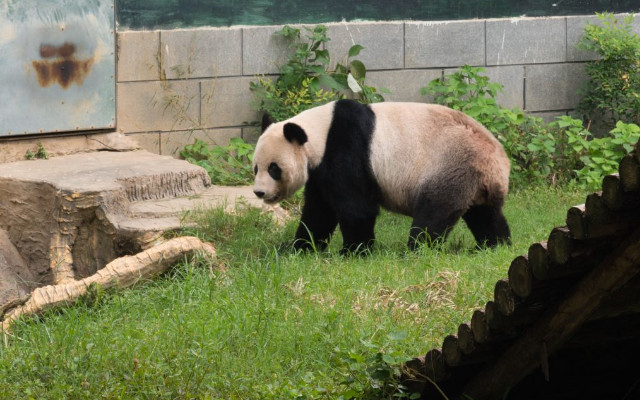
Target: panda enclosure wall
[204,73]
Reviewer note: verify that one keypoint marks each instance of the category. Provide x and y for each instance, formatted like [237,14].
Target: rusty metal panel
[57,66]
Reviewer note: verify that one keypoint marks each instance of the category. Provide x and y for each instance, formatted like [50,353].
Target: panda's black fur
[343,190]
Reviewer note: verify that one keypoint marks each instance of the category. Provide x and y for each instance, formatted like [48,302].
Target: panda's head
[280,162]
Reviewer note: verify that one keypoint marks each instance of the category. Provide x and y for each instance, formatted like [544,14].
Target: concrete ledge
[526,41]
[444,44]
[198,53]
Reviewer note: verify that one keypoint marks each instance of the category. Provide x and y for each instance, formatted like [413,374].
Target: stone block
[147,141]
[512,80]
[262,50]
[554,86]
[158,106]
[226,102]
[171,143]
[383,43]
[201,53]
[250,134]
[138,57]
[404,85]
[526,41]
[444,44]
[575,30]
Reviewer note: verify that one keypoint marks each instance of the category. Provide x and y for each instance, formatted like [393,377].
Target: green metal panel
[57,66]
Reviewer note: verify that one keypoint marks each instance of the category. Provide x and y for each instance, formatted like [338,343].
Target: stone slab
[138,56]
[158,106]
[444,44]
[512,80]
[140,173]
[201,53]
[550,87]
[147,141]
[526,41]
[15,150]
[383,43]
[575,31]
[404,85]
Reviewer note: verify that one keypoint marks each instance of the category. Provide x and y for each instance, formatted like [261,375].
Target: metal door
[57,66]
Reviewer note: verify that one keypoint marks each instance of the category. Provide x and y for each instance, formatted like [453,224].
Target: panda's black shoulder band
[294,133]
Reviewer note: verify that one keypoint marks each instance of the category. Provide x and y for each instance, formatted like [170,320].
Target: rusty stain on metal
[64,69]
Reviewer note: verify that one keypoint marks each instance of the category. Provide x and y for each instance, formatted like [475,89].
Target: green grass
[260,324]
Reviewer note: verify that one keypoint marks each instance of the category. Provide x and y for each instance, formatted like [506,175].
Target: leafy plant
[226,165]
[374,372]
[40,153]
[601,156]
[614,79]
[306,80]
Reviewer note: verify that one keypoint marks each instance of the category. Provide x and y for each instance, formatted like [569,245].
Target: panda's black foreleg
[358,234]
[433,219]
[317,224]
[488,225]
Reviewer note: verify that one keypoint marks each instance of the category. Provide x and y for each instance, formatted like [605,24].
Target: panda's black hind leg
[358,235]
[433,219]
[488,225]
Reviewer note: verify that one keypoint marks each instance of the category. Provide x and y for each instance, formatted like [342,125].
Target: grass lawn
[263,325]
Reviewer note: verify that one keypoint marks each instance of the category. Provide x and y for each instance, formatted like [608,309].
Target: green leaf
[355,50]
[357,69]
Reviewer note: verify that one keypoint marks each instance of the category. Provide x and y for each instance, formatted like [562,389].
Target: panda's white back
[412,141]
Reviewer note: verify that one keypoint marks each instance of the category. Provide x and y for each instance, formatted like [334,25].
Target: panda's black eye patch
[274,171]
[255,170]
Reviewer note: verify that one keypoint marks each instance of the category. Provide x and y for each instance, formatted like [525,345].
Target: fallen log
[119,273]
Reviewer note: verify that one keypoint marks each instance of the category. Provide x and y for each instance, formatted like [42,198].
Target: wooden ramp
[565,324]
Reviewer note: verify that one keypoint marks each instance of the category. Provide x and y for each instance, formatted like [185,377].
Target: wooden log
[435,366]
[504,297]
[558,324]
[614,196]
[451,351]
[413,375]
[559,245]
[120,273]
[538,258]
[596,211]
[521,277]
[630,173]
[466,342]
[479,327]
[577,222]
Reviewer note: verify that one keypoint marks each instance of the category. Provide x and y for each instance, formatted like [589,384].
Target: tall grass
[262,324]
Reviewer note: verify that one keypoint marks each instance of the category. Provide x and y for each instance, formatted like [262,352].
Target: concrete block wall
[178,85]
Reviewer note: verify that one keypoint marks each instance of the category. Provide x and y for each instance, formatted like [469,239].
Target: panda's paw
[359,250]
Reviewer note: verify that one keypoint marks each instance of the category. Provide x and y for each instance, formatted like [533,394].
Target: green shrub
[305,80]
[531,146]
[614,78]
[600,156]
[226,165]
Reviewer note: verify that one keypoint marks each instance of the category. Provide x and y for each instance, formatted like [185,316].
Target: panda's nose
[259,193]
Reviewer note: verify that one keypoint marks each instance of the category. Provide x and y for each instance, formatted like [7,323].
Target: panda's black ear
[266,121]
[294,133]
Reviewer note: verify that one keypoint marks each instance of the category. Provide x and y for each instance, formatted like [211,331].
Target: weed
[226,165]
[39,154]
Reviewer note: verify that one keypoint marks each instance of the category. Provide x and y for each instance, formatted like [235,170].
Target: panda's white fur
[421,160]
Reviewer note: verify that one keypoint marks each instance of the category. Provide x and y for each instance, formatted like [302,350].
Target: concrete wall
[178,85]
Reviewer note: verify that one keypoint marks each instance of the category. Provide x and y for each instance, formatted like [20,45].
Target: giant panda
[425,161]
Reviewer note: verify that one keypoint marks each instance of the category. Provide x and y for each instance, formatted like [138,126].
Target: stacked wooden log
[566,322]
